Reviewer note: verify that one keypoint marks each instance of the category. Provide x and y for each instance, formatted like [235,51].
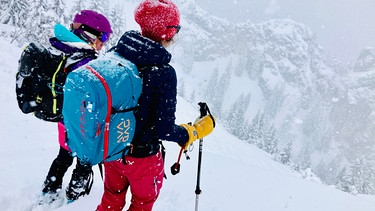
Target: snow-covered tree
[39,27]
[359,179]
[285,155]
[78,6]
[118,23]
[58,7]
[363,177]
[270,141]
[235,120]
[257,129]
[15,13]
[215,95]
[343,181]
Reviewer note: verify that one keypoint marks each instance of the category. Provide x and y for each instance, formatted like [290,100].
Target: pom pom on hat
[159,19]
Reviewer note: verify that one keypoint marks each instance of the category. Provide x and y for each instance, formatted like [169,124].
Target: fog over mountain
[343,28]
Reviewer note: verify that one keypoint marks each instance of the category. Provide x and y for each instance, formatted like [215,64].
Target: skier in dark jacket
[89,31]
[155,118]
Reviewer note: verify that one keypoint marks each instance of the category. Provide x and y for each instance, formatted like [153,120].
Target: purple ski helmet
[94,20]
[94,23]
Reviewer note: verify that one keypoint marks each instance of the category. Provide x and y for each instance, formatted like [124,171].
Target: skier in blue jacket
[155,119]
[81,43]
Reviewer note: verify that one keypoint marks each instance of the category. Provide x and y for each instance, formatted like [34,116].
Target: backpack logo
[123,131]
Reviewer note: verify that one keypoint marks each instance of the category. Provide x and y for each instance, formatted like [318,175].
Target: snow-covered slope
[235,175]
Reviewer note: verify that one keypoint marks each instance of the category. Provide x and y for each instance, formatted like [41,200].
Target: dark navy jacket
[156,116]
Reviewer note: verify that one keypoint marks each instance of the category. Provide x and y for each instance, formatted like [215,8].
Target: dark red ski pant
[144,176]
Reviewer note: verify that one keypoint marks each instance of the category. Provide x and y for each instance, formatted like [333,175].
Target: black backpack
[39,82]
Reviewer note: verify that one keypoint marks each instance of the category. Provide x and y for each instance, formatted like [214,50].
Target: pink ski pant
[144,176]
[62,137]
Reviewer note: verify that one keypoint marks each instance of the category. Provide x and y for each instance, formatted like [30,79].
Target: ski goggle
[178,27]
[102,36]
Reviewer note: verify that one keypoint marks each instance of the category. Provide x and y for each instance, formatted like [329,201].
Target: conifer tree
[40,25]
[271,141]
[286,154]
[15,13]
[216,88]
[78,6]
[343,180]
[220,88]
[257,129]
[100,6]
[235,119]
[58,8]
[118,22]
[362,177]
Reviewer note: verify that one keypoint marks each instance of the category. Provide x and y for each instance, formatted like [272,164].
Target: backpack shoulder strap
[109,110]
[53,83]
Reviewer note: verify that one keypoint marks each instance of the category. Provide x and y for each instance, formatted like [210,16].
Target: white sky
[343,27]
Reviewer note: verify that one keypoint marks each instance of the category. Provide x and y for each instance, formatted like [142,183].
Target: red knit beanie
[159,19]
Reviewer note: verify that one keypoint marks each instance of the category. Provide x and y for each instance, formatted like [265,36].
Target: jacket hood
[68,42]
[67,37]
[79,51]
[141,50]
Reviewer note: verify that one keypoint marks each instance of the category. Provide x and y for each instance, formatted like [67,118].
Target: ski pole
[203,110]
[198,188]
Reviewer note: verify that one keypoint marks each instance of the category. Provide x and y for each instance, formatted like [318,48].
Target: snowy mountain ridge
[275,69]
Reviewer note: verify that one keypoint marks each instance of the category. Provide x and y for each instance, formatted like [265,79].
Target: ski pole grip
[204,110]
